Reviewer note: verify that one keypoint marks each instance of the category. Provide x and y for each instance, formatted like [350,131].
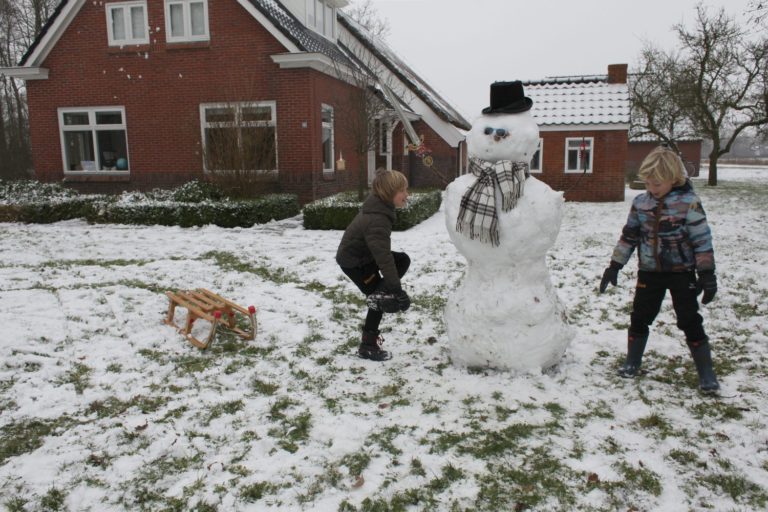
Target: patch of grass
[739,488]
[356,462]
[78,375]
[53,499]
[218,410]
[264,388]
[640,478]
[231,263]
[26,436]
[256,491]
[657,423]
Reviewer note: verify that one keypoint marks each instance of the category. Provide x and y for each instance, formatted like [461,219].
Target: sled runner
[202,304]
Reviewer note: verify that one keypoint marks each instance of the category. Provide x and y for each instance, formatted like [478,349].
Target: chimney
[617,73]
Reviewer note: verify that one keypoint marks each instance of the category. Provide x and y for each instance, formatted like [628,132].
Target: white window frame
[93,127]
[238,106]
[330,125]
[187,37]
[127,8]
[540,151]
[319,22]
[590,143]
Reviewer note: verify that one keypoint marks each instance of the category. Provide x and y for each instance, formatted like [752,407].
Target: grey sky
[462,46]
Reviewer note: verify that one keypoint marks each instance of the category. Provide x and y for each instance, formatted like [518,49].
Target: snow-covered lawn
[103,407]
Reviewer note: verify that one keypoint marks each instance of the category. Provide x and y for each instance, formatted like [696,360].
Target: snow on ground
[106,408]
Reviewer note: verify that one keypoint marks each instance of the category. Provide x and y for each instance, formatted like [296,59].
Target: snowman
[505,314]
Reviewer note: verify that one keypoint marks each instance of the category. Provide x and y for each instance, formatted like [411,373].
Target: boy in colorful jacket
[668,227]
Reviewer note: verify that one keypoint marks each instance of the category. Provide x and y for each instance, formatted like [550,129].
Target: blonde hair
[663,164]
[387,183]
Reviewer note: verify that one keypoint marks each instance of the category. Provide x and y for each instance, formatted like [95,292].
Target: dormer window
[321,17]
[127,23]
[186,21]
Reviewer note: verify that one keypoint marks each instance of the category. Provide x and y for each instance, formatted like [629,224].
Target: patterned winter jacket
[671,234]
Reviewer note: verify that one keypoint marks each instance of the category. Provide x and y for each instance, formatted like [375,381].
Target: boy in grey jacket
[365,256]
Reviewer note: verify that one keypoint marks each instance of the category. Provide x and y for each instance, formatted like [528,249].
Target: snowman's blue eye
[500,132]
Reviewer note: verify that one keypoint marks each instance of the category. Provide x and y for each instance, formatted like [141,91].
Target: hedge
[192,204]
[337,211]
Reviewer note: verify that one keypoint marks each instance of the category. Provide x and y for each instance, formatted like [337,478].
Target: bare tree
[366,14]
[717,82]
[655,111]
[20,23]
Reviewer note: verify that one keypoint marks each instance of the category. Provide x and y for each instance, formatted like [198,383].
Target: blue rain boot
[702,356]
[635,349]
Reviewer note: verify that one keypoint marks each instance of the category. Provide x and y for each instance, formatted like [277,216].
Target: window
[127,23]
[384,138]
[535,165]
[327,137]
[186,20]
[239,136]
[93,139]
[321,17]
[578,154]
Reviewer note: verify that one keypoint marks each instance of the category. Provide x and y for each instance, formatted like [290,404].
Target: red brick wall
[604,183]
[691,153]
[162,86]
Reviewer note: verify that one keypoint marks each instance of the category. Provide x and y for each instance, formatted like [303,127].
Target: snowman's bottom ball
[524,334]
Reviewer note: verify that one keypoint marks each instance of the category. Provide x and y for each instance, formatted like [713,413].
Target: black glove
[610,275]
[403,300]
[707,282]
[383,301]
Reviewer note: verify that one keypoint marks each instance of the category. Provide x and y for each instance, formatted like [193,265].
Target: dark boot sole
[378,355]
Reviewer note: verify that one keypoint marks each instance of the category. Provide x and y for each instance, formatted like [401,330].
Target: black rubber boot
[635,349]
[370,347]
[702,356]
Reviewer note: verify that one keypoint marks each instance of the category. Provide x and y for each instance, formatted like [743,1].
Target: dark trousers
[368,279]
[649,294]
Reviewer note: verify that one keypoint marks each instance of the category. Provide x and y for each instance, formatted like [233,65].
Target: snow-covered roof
[404,72]
[303,37]
[587,100]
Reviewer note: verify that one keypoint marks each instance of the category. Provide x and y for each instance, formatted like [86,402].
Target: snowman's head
[495,137]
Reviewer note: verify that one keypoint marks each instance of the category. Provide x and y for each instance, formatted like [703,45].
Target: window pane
[327,115]
[327,148]
[257,113]
[319,14]
[109,118]
[573,159]
[198,18]
[137,22]
[328,30]
[118,23]
[220,115]
[221,149]
[311,13]
[112,153]
[76,118]
[79,150]
[535,161]
[258,148]
[177,20]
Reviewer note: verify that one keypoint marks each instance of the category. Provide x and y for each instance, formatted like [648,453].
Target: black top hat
[508,98]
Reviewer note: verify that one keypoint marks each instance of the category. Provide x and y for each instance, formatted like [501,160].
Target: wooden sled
[202,304]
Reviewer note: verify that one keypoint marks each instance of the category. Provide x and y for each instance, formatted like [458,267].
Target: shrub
[337,211]
[192,204]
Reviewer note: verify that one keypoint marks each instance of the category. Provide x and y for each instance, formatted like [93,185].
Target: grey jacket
[367,240]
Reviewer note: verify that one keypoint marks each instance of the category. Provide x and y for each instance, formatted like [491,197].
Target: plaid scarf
[478,217]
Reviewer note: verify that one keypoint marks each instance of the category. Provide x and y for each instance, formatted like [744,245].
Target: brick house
[137,94]
[639,147]
[583,125]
